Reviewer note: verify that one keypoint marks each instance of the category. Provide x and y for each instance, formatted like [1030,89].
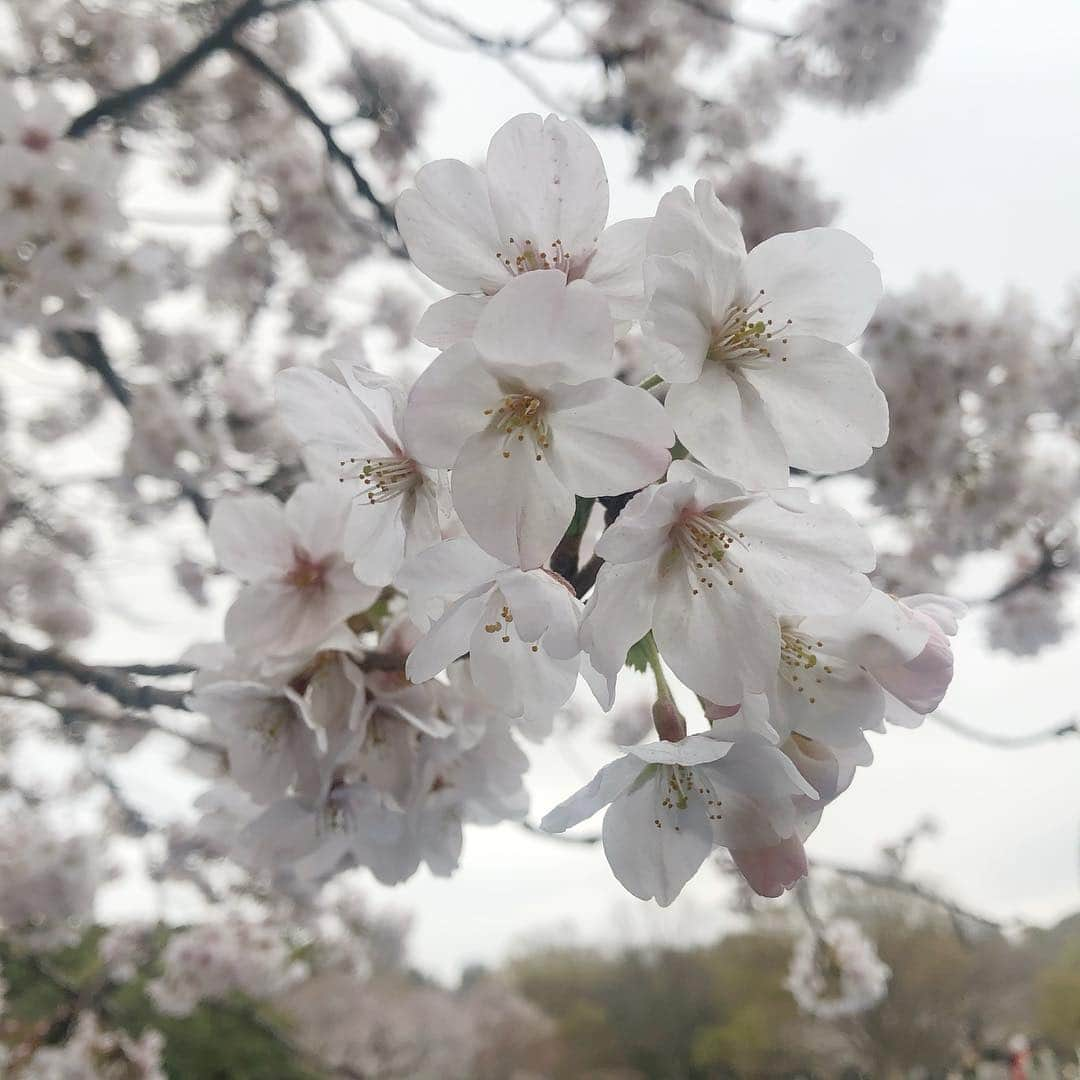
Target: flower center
[36,140]
[705,542]
[306,573]
[522,256]
[678,785]
[382,479]
[518,416]
[744,338]
[798,656]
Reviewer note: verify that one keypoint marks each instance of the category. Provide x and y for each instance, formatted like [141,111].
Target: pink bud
[668,721]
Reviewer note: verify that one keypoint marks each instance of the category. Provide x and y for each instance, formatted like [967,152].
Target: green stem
[650,382]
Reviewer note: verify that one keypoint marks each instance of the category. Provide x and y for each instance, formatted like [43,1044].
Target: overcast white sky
[975,169]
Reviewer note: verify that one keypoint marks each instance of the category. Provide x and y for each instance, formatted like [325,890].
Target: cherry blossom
[837,972]
[354,435]
[299,587]
[754,344]
[710,568]
[541,204]
[670,803]
[527,415]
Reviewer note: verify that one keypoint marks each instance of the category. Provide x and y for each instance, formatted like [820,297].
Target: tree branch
[124,101]
[28,661]
[304,108]
[1069,726]
[705,7]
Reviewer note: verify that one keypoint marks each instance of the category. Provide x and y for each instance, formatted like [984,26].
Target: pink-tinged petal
[677,324]
[316,409]
[450,320]
[547,184]
[540,329]
[251,537]
[824,402]
[650,862]
[824,280]
[514,506]
[920,684]
[606,786]
[447,405]
[881,632]
[449,228]
[316,514]
[617,267]
[772,871]
[265,619]
[723,642]
[944,610]
[606,437]
[448,637]
[722,421]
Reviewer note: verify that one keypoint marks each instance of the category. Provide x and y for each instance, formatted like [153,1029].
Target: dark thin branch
[27,661]
[124,101]
[706,8]
[1069,726]
[879,880]
[305,109]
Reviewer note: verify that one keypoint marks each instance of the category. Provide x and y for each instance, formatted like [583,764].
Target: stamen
[517,416]
[382,479]
[520,257]
[743,339]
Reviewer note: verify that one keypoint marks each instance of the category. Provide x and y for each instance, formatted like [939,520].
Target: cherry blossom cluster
[213,960]
[50,880]
[425,600]
[837,972]
[93,1051]
[63,249]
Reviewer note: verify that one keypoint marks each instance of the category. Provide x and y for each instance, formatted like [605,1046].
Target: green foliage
[638,655]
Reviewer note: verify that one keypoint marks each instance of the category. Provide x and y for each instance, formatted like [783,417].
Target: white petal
[693,750]
[721,420]
[617,267]
[316,514]
[375,539]
[824,280]
[642,530]
[538,602]
[606,437]
[694,225]
[446,406]
[316,409]
[723,642]
[547,183]
[449,229]
[619,613]
[653,862]
[251,537]
[540,329]
[825,403]
[812,561]
[880,632]
[442,573]
[678,318]
[448,637]
[448,321]
[610,782]
[513,507]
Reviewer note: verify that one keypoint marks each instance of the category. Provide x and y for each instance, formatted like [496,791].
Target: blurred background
[245,209]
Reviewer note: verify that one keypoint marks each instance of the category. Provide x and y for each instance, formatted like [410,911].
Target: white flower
[672,802]
[528,416]
[299,586]
[520,629]
[710,569]
[355,433]
[837,973]
[842,675]
[754,345]
[542,204]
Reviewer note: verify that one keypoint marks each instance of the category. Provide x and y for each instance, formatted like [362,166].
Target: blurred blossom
[836,972]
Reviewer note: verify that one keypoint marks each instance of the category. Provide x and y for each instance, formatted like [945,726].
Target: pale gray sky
[975,169]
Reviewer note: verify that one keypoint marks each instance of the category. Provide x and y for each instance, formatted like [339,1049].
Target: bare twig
[1069,726]
[706,8]
[124,101]
[304,107]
